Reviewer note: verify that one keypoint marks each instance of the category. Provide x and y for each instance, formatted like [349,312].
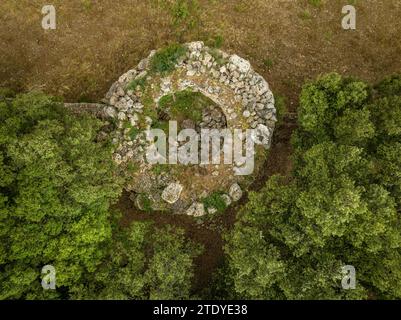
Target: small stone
[120,92]
[246,114]
[117,158]
[215,74]
[269,115]
[195,46]
[165,85]
[197,209]
[235,192]
[227,199]
[113,100]
[260,106]
[232,67]
[143,64]
[132,122]
[191,73]
[122,116]
[188,124]
[216,114]
[111,112]
[148,120]
[138,106]
[243,65]
[207,58]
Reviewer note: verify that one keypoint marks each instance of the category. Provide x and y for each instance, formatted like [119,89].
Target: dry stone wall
[241,100]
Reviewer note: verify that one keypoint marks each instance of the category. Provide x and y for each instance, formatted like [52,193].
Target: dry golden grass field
[287,41]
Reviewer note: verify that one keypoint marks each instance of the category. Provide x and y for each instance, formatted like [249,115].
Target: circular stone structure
[199,87]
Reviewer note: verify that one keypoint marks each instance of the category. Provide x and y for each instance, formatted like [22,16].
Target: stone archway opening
[191,110]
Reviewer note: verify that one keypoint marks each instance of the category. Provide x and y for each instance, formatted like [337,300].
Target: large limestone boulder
[262,135]
[172,192]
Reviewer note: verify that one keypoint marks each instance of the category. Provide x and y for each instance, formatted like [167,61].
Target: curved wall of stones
[242,100]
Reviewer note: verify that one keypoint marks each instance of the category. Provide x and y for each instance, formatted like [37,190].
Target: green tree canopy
[341,206]
[56,185]
[144,262]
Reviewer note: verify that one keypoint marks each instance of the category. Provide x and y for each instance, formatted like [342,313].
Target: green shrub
[268,63]
[145,202]
[160,168]
[139,82]
[185,104]
[6,93]
[164,60]
[57,183]
[340,206]
[133,133]
[390,86]
[218,57]
[144,262]
[218,41]
[215,200]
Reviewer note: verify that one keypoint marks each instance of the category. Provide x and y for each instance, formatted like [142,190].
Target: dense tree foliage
[144,263]
[57,182]
[341,206]
[56,186]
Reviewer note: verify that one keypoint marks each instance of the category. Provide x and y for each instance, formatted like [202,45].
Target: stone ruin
[239,99]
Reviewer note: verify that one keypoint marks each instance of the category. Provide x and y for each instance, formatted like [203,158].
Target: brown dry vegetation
[287,41]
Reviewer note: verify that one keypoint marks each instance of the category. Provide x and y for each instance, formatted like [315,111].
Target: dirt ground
[287,41]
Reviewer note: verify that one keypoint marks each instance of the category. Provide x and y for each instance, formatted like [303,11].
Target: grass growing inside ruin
[185,105]
[164,60]
[215,200]
[160,168]
[218,57]
[138,83]
[132,167]
[133,133]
